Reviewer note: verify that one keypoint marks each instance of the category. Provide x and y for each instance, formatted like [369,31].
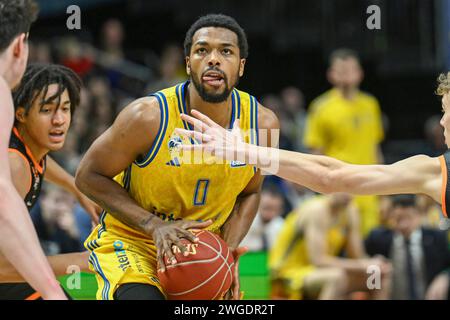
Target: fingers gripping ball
[206,273]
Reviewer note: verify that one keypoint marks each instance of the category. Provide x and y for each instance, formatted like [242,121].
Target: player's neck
[37,151]
[334,211]
[4,74]
[218,112]
[348,94]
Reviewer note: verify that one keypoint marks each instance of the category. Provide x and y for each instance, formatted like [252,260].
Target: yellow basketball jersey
[165,185]
[290,251]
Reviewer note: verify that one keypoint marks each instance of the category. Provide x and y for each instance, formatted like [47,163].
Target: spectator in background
[112,37]
[274,103]
[431,212]
[434,134]
[54,222]
[297,194]
[419,255]
[76,56]
[345,123]
[40,52]
[99,111]
[385,212]
[171,70]
[293,103]
[268,221]
[305,260]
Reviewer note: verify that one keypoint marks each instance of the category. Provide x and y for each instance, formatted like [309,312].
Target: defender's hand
[221,142]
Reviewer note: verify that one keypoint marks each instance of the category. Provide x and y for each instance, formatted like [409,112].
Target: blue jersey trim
[164,119]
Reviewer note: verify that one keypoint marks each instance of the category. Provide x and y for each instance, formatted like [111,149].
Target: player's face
[346,73]
[48,124]
[445,120]
[214,63]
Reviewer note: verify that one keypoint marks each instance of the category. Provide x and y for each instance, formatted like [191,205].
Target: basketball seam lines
[204,261]
[226,275]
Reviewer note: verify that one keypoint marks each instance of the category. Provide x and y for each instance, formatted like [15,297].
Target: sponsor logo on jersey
[236,164]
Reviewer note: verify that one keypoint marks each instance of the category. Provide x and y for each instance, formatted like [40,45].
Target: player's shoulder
[321,102]
[368,97]
[142,111]
[18,163]
[170,92]
[314,209]
[316,203]
[267,119]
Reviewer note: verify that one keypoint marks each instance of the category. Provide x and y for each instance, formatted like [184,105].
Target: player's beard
[213,97]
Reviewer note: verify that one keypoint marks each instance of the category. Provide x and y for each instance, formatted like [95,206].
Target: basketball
[206,273]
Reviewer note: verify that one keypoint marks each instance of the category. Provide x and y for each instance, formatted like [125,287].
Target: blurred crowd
[318,246]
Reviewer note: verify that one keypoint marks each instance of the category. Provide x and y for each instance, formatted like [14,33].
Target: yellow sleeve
[314,136]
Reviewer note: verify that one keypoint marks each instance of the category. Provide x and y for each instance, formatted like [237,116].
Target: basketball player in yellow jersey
[345,123]
[305,260]
[151,198]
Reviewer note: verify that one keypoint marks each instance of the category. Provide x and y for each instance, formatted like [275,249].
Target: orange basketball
[205,274]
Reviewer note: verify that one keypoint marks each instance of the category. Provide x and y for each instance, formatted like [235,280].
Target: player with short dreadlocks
[44,103]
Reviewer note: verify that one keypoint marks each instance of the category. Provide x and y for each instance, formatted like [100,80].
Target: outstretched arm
[418,174]
[20,244]
[59,263]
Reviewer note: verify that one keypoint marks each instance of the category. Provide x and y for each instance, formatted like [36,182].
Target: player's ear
[188,66]
[20,114]
[330,75]
[242,67]
[19,45]
[361,74]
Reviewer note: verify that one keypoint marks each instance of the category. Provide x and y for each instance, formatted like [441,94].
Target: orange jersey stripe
[34,296]
[39,166]
[444,185]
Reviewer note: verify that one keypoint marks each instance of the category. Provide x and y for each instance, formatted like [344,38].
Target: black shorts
[21,291]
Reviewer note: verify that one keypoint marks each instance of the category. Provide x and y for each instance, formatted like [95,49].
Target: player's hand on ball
[168,234]
[235,291]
